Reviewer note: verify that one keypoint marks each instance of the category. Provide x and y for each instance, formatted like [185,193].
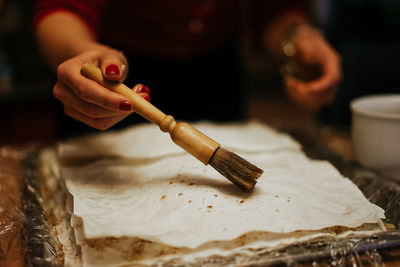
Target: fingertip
[125,106]
[140,88]
[112,69]
[145,89]
[146,96]
[112,72]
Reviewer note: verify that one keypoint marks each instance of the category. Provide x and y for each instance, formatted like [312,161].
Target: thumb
[114,66]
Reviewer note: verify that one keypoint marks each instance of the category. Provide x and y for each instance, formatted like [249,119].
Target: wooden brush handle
[184,135]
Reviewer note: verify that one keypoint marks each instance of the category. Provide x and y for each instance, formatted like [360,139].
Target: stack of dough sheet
[137,198]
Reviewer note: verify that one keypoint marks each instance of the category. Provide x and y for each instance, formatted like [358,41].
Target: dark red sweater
[172,29]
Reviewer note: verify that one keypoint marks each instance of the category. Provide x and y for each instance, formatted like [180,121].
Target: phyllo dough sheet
[137,197]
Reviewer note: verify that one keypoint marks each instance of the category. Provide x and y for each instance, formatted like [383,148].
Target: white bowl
[376,131]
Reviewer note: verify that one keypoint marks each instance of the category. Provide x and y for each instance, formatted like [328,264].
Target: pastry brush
[238,170]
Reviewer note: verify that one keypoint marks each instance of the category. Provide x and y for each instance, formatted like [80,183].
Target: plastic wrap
[11,211]
[25,232]
[27,237]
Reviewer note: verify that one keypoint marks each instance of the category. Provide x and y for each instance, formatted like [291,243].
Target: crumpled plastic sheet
[26,219]
[25,238]
[11,213]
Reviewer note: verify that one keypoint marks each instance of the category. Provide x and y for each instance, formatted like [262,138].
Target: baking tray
[42,249]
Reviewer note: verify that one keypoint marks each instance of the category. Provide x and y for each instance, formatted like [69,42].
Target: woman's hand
[89,102]
[319,69]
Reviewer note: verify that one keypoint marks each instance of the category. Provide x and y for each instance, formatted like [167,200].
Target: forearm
[63,35]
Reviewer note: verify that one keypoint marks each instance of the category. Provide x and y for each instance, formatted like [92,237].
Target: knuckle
[62,70]
[57,91]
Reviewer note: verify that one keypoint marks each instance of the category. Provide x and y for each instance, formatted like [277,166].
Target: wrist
[293,33]
[277,30]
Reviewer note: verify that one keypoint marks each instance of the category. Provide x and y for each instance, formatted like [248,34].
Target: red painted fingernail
[112,70]
[126,106]
[144,89]
[147,97]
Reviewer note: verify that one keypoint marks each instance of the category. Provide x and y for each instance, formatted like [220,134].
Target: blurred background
[365,33]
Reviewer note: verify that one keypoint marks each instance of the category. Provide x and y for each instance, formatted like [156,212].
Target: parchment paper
[140,186]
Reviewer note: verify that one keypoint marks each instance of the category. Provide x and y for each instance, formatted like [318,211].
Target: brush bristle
[236,169]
